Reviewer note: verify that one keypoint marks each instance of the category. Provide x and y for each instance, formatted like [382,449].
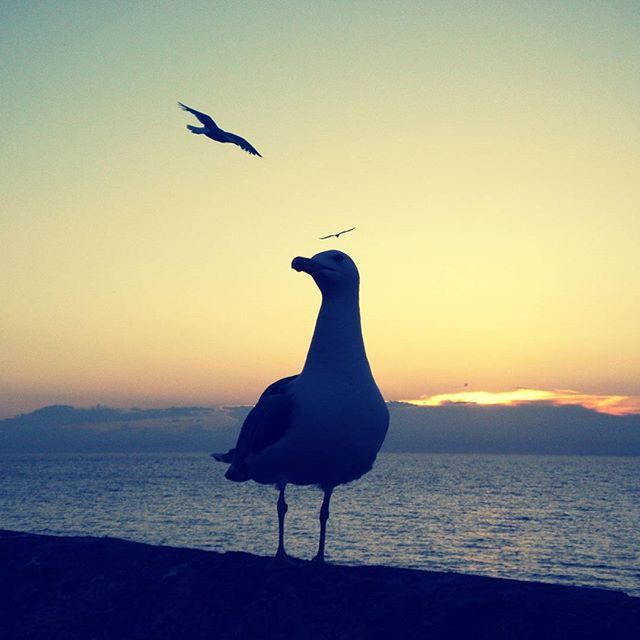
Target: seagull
[325,425]
[337,235]
[213,131]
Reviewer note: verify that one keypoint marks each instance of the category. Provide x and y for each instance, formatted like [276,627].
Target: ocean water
[570,520]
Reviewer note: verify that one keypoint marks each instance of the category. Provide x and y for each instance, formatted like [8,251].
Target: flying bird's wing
[206,120]
[265,425]
[346,231]
[242,143]
[333,235]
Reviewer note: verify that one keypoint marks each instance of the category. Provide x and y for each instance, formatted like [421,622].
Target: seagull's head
[334,272]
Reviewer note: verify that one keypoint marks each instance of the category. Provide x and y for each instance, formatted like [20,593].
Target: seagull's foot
[281,561]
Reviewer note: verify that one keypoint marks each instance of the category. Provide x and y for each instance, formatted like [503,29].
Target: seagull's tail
[195,129]
[237,473]
[224,457]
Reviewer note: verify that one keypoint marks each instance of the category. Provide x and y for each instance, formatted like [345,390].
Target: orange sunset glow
[611,404]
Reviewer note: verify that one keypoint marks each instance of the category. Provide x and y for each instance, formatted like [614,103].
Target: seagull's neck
[337,345]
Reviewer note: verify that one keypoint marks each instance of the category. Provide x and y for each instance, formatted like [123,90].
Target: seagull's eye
[338,257]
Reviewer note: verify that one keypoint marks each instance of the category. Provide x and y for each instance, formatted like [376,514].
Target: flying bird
[337,235]
[324,426]
[213,131]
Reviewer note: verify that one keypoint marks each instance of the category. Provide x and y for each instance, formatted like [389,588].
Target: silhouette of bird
[337,235]
[325,425]
[213,131]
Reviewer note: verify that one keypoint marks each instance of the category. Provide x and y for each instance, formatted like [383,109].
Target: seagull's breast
[337,429]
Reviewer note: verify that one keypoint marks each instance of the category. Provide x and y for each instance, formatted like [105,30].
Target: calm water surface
[572,520]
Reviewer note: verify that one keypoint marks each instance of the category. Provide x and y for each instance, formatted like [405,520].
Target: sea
[568,520]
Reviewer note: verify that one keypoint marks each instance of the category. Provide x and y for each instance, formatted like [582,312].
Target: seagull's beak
[304,264]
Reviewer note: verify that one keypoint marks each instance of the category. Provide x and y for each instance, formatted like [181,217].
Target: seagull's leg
[282,511]
[281,559]
[324,516]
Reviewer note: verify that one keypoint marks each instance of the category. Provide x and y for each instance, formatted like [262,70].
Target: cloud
[522,428]
[528,427]
[616,405]
[65,428]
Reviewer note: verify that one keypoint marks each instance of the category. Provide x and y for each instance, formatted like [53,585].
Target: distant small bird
[213,131]
[337,235]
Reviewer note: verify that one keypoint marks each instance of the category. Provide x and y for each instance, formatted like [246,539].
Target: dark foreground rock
[95,588]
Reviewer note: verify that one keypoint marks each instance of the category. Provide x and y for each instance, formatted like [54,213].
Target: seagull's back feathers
[265,425]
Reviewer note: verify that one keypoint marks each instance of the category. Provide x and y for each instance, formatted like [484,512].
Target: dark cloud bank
[456,428]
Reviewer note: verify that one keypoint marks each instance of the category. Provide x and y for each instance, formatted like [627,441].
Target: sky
[487,154]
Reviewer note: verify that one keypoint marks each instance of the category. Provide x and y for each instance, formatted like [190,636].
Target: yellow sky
[487,154]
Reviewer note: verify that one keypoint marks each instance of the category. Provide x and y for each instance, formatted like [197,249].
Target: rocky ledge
[101,588]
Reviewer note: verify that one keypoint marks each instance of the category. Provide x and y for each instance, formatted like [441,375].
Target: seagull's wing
[265,425]
[242,143]
[346,231]
[206,120]
[333,235]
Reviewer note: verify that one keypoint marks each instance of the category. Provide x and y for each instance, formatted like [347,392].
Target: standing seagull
[325,425]
[213,131]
